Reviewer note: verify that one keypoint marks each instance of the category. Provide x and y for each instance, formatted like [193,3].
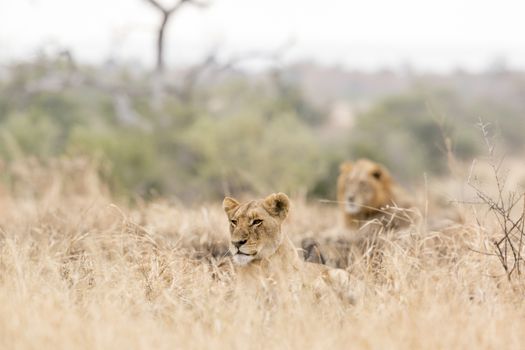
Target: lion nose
[351,198]
[237,244]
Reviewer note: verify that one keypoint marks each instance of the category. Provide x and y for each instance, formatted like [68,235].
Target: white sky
[365,34]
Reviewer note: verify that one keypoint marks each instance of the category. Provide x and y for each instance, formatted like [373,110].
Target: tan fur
[366,191]
[262,251]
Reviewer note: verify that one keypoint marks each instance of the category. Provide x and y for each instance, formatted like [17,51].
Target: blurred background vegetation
[236,131]
[210,118]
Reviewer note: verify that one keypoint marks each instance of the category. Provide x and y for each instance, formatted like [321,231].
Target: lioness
[261,250]
[366,191]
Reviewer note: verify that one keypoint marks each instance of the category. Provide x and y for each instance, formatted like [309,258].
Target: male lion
[370,202]
[262,251]
[366,191]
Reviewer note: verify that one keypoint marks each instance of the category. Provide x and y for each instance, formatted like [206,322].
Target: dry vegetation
[77,271]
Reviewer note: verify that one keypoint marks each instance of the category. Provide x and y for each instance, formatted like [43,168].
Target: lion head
[255,226]
[363,188]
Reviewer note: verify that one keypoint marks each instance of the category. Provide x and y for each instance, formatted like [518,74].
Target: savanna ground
[79,271]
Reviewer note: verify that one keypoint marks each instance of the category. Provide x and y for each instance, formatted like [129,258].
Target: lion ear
[377,173]
[380,173]
[229,205]
[277,204]
[345,167]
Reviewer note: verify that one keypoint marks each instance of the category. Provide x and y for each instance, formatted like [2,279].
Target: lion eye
[233,222]
[377,174]
[256,222]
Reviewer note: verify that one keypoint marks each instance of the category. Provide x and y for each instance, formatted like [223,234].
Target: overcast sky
[366,34]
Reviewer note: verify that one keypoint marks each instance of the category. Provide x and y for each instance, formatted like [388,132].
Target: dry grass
[79,272]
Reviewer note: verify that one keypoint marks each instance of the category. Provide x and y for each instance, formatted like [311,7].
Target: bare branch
[155,4]
[508,246]
[212,65]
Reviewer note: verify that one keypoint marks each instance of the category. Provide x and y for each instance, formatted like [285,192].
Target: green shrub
[253,153]
[26,135]
[131,158]
[408,133]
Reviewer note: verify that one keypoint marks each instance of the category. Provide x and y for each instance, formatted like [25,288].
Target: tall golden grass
[79,271]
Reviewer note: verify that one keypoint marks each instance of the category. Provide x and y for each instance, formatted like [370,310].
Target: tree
[167,14]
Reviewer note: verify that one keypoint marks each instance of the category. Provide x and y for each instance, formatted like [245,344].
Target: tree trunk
[160,41]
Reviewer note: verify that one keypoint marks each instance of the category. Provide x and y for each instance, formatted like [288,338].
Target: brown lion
[366,192]
[260,249]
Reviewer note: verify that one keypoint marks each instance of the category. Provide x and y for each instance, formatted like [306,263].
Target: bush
[132,163]
[252,153]
[408,135]
[24,135]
